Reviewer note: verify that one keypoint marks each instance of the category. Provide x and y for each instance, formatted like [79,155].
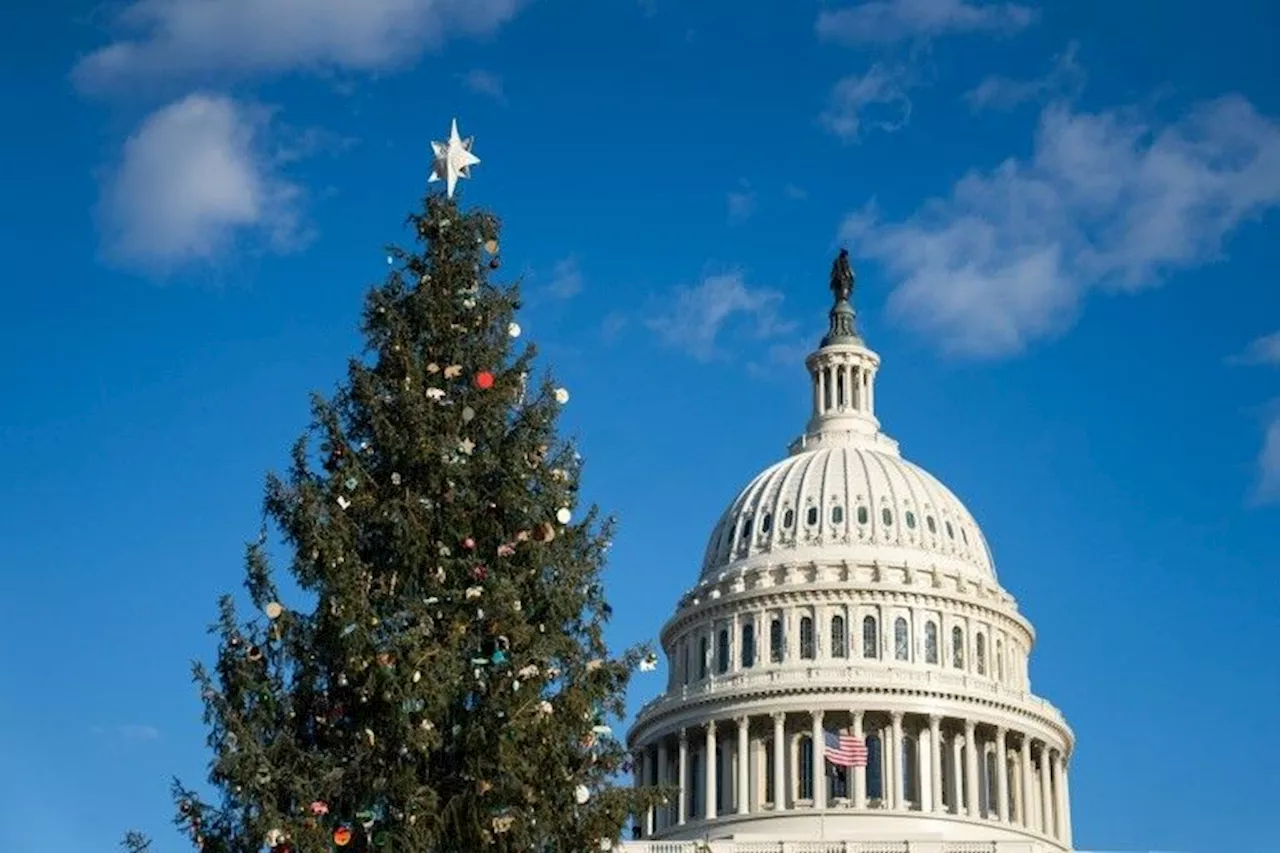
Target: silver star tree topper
[453,159]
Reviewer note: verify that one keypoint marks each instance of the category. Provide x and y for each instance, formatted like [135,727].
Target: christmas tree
[445,686]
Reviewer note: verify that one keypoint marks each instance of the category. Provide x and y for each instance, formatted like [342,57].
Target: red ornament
[480,573]
[484,380]
[469,544]
[342,836]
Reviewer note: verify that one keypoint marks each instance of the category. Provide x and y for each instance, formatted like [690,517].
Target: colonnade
[843,386]
[921,763]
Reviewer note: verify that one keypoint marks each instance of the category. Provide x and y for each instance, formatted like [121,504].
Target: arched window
[910,777]
[862,515]
[748,645]
[806,768]
[766,523]
[870,642]
[811,517]
[702,657]
[911,519]
[807,650]
[957,648]
[838,639]
[875,763]
[722,651]
[980,653]
[775,640]
[901,640]
[788,518]
[886,515]
[929,523]
[930,642]
[951,534]
[999,660]
[746,530]
[837,514]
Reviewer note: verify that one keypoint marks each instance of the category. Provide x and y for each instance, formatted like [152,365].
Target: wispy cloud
[875,100]
[566,278]
[741,203]
[794,192]
[1268,487]
[1064,81]
[132,732]
[695,319]
[1263,350]
[485,83]
[193,180]
[1106,201]
[889,21]
[195,40]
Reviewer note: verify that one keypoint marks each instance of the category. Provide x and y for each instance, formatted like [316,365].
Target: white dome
[847,501]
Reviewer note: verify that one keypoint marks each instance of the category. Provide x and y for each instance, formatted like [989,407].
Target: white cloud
[877,99]
[742,203]
[193,38]
[887,21]
[192,180]
[485,83]
[1264,350]
[566,278]
[1064,80]
[695,318]
[794,192]
[1106,201]
[1268,489]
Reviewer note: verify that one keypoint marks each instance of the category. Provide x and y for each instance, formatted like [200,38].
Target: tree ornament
[513,330]
[563,515]
[343,501]
[562,396]
[273,609]
[341,835]
[491,246]
[581,794]
[453,160]
[484,380]
[453,371]
[395,478]
[319,807]
[468,414]
[649,663]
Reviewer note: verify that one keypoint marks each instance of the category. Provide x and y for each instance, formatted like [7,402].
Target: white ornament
[563,515]
[514,330]
[650,663]
[453,160]
[562,396]
[581,794]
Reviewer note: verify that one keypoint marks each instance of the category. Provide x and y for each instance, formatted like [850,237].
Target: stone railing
[837,676]
[736,846]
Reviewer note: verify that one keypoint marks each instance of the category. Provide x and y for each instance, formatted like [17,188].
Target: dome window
[837,514]
[775,640]
[702,657]
[957,648]
[808,650]
[788,519]
[748,645]
[911,519]
[901,640]
[746,530]
[838,639]
[870,640]
[862,515]
[928,522]
[930,642]
[999,660]
[964,535]
[951,534]
[980,654]
[766,523]
[722,651]
[811,517]
[887,515]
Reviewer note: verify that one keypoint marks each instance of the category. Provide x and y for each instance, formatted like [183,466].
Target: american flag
[846,750]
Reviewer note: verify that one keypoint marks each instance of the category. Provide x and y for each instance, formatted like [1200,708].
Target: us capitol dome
[848,675]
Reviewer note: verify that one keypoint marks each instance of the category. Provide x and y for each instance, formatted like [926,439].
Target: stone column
[1026,807]
[1002,776]
[957,774]
[743,746]
[1046,793]
[709,762]
[682,771]
[1064,803]
[897,762]
[664,816]
[645,767]
[858,775]
[779,762]
[973,801]
[935,762]
[818,757]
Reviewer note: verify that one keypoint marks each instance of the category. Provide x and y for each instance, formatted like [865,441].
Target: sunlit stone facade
[846,589]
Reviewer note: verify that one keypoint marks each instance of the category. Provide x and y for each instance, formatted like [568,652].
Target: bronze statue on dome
[842,279]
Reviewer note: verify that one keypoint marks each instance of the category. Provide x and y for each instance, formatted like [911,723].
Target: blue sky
[1062,217]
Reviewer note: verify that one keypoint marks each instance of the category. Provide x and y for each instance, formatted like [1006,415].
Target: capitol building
[845,594]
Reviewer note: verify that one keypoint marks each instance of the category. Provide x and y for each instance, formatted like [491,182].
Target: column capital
[1001,731]
[817,715]
[743,721]
[969,727]
[683,736]
[935,722]
[779,716]
[711,727]
[896,716]
[856,713]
